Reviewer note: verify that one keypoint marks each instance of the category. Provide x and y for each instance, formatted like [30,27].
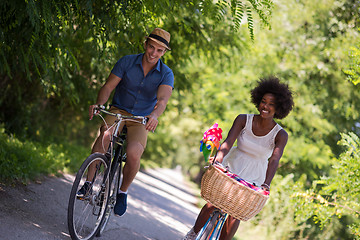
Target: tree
[353,71]
[307,49]
[338,194]
[55,55]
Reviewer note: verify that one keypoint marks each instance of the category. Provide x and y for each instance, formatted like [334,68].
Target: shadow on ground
[160,207]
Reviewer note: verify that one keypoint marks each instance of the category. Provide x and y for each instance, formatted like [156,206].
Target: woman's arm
[238,125]
[280,143]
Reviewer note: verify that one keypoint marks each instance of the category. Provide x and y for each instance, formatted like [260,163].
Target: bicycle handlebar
[101,108]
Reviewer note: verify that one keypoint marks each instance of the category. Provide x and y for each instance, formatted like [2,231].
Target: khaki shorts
[136,131]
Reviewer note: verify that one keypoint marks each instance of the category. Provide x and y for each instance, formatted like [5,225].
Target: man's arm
[104,92]
[163,95]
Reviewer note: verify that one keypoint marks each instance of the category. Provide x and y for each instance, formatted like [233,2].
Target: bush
[21,161]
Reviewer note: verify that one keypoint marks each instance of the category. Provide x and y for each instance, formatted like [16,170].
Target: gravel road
[161,206]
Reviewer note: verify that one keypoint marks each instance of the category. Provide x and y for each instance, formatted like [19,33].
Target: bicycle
[89,213]
[230,195]
[212,189]
[213,226]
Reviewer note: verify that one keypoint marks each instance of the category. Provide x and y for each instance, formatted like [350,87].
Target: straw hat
[161,37]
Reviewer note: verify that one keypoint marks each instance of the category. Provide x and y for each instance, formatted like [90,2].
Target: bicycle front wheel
[116,170]
[88,201]
[212,229]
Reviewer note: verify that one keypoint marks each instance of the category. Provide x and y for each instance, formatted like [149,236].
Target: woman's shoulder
[282,134]
[241,117]
[241,120]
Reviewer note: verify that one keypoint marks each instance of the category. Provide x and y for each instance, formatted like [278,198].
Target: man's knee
[134,150]
[104,130]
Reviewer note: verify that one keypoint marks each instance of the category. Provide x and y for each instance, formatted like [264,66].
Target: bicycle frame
[90,205]
[117,139]
[119,119]
[115,155]
[213,226]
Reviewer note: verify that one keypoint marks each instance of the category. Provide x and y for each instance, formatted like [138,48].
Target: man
[143,85]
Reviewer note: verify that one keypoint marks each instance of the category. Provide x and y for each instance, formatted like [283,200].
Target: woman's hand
[211,160]
[265,187]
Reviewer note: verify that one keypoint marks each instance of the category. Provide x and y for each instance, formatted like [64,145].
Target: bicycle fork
[212,228]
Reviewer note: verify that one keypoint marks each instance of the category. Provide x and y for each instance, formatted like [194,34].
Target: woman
[260,145]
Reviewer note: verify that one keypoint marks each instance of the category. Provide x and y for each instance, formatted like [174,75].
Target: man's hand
[152,123]
[91,111]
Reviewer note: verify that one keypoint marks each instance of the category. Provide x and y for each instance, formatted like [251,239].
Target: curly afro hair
[281,91]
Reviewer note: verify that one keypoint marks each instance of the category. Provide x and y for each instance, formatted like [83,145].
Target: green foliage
[304,53]
[337,194]
[275,221]
[175,142]
[353,71]
[236,10]
[21,161]
[305,50]
[55,55]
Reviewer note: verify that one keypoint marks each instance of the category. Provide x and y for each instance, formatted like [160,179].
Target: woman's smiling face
[267,106]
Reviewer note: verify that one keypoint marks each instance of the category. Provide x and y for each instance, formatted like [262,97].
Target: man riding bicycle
[143,85]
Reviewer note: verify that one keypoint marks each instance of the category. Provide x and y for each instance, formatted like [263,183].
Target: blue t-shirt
[135,93]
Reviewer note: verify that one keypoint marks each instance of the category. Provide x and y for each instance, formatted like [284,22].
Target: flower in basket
[211,141]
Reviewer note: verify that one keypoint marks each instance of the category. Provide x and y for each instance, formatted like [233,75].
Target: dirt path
[160,207]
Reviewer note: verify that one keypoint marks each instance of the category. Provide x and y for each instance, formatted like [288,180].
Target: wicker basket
[230,196]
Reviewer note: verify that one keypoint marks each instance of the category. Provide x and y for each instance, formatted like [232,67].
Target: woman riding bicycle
[260,145]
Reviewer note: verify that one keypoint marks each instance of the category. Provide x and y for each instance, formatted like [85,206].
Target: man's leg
[134,151]
[101,143]
[136,143]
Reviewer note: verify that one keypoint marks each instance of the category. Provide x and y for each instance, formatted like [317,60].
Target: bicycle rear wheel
[85,212]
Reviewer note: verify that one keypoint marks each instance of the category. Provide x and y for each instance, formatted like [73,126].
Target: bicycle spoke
[91,202]
[86,210]
[81,220]
[112,198]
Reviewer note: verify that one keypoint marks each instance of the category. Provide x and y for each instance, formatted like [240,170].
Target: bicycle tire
[115,177]
[111,199]
[85,213]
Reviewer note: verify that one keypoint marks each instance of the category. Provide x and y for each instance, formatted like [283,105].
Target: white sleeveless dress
[249,159]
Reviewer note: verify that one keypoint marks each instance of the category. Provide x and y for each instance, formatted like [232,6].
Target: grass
[23,161]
